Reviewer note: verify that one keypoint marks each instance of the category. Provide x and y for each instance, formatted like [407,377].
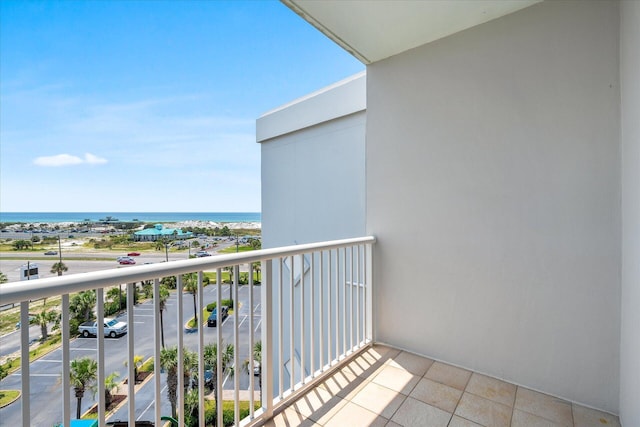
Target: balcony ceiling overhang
[377,29]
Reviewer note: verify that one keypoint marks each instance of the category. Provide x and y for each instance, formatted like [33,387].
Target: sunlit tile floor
[387,387]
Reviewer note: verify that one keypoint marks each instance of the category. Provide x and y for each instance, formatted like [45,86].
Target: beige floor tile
[381,352]
[483,411]
[318,405]
[416,413]
[343,383]
[449,375]
[439,395]
[410,362]
[586,417]
[363,367]
[524,419]
[396,379]
[545,406]
[492,389]
[290,418]
[379,399]
[457,421]
[352,415]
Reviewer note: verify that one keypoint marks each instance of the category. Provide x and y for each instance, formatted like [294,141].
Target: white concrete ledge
[345,97]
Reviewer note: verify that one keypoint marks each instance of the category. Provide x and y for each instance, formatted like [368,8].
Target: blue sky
[147,105]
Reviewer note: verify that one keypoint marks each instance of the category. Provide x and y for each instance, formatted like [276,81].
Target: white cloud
[93,159]
[68,160]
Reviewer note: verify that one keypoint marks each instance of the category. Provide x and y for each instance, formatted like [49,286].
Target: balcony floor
[387,387]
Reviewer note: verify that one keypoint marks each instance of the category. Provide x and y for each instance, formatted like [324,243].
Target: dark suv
[213,317]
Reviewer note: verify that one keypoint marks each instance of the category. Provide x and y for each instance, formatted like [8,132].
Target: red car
[133,254]
[127,261]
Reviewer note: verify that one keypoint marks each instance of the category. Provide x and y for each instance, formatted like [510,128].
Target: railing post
[267,340]
[24,363]
[199,325]
[180,340]
[100,348]
[66,381]
[369,290]
[219,372]
[156,350]
[131,287]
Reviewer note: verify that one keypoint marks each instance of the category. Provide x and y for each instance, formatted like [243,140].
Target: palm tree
[191,286]
[115,294]
[211,359]
[83,374]
[257,357]
[109,384]
[164,295]
[59,268]
[82,305]
[137,362]
[230,270]
[44,318]
[169,362]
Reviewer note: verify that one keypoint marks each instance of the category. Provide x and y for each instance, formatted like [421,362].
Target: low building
[158,232]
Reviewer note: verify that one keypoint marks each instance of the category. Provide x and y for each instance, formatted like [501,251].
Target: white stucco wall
[493,187]
[630,123]
[313,176]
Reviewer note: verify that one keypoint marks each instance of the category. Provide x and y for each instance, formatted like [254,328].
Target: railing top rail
[51,286]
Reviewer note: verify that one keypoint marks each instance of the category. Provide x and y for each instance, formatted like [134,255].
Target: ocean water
[55,217]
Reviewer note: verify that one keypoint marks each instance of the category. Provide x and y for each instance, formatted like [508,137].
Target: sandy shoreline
[182,224]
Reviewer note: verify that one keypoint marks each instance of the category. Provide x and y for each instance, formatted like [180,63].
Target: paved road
[45,373]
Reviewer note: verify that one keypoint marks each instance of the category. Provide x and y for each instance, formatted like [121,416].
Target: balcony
[338,375]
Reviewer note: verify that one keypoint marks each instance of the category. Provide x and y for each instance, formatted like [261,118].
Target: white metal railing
[316,311]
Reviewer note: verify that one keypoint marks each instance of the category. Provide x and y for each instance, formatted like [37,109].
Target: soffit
[372,30]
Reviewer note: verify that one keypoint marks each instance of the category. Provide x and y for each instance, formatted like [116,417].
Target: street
[45,373]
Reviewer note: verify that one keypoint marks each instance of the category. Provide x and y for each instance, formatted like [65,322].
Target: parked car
[133,254]
[208,379]
[112,328]
[201,254]
[213,317]
[127,260]
[32,320]
[256,367]
[51,253]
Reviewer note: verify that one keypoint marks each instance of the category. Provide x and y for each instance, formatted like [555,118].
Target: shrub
[226,302]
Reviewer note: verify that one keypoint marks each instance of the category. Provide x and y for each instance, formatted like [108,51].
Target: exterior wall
[493,187]
[313,177]
[312,188]
[630,332]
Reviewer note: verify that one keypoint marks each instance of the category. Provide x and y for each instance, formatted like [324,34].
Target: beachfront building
[159,232]
[492,148]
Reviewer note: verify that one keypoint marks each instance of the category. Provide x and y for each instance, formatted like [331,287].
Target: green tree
[164,296]
[230,269]
[3,277]
[169,282]
[59,268]
[169,363]
[191,286]
[83,374]
[20,245]
[211,359]
[109,384]
[44,318]
[137,362]
[82,305]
